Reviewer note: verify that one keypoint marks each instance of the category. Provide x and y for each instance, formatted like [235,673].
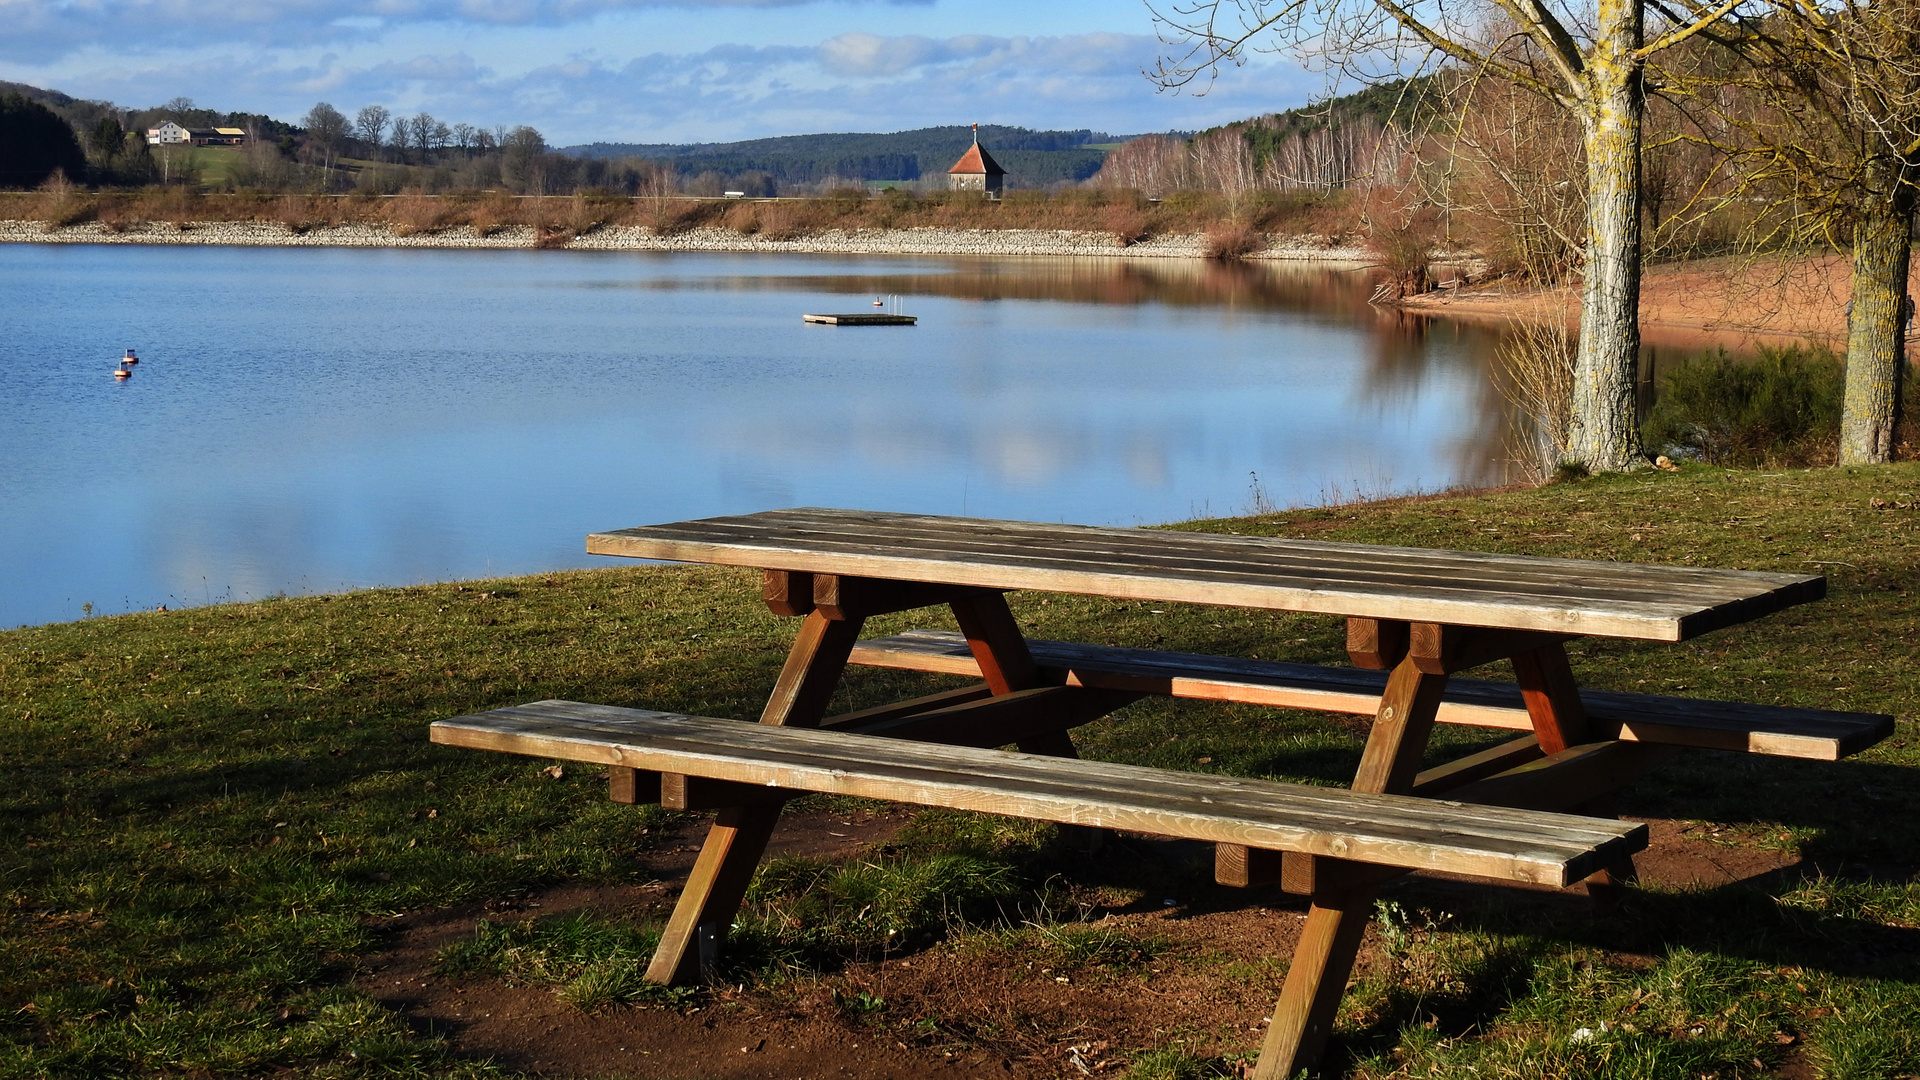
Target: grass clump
[591,964]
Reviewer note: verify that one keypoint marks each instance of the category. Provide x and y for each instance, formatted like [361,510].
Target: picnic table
[1415,618]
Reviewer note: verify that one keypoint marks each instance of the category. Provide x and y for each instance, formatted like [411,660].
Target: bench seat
[1484,841]
[1817,734]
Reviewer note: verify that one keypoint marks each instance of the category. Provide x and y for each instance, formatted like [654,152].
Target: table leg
[1559,721]
[1005,662]
[739,835]
[1337,917]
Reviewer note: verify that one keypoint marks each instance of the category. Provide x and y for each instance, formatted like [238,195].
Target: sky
[639,70]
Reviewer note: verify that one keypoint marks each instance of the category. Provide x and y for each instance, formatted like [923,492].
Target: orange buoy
[129,358]
[122,373]
[879,303]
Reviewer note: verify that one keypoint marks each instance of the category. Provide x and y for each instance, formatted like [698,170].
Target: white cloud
[849,81]
[39,30]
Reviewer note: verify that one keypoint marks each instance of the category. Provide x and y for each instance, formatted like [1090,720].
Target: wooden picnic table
[1414,618]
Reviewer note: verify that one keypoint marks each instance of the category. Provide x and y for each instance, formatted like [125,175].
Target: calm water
[317,420]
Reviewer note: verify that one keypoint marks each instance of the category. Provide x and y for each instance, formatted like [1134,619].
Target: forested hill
[1030,157]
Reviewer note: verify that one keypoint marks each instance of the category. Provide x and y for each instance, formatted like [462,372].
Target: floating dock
[863,319]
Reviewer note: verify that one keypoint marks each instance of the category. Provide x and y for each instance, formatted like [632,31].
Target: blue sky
[638,70]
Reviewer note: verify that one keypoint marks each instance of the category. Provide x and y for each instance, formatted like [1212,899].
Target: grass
[211,812]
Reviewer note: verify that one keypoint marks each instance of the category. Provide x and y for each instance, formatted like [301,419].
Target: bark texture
[1876,328]
[1605,434]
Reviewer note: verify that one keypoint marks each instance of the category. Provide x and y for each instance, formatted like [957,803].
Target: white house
[172,134]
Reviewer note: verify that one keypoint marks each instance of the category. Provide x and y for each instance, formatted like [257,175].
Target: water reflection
[359,417]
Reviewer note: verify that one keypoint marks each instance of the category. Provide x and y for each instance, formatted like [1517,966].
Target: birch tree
[1590,58]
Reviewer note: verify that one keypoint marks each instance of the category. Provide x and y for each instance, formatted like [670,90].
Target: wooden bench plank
[1780,731]
[1664,603]
[1491,842]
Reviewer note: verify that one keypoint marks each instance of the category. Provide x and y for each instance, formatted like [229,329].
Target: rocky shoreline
[997,242]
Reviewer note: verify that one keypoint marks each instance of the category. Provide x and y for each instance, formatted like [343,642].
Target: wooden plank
[1443,650]
[1022,716]
[1568,778]
[838,596]
[1553,698]
[1343,901]
[787,592]
[1816,734]
[1316,979]
[1477,766]
[1489,842]
[1376,644]
[718,882]
[1368,581]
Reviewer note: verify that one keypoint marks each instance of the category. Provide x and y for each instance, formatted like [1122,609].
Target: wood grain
[1498,843]
[1664,603]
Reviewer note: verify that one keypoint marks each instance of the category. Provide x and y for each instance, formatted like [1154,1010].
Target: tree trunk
[1606,428]
[1876,327]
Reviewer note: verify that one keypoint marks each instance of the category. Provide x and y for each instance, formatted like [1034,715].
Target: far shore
[912,241]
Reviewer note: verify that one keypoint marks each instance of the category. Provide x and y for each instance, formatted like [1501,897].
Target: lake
[314,420]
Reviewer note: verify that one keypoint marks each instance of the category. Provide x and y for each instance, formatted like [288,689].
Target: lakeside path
[622,238]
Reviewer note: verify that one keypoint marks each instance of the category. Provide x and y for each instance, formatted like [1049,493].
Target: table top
[1466,588]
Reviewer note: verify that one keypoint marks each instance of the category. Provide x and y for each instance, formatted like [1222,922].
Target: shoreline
[915,241]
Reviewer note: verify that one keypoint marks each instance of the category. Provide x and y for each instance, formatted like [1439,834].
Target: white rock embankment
[998,242]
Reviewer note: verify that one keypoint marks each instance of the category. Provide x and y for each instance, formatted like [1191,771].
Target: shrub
[1233,242]
[1782,409]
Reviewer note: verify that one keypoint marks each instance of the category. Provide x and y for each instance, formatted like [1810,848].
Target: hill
[1031,158]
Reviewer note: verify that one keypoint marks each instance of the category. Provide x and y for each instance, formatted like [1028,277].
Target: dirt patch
[1198,974]
[1732,303]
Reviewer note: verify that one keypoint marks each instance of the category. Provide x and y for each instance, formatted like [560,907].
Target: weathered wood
[714,889]
[1568,778]
[838,596]
[679,791]
[812,671]
[1023,717]
[787,592]
[1663,603]
[632,787]
[1443,650]
[739,834]
[1401,726]
[1816,734]
[1376,644]
[1477,766]
[1343,900]
[1553,698]
[1493,842]
[999,648]
[1316,980]
[1298,874]
[860,719]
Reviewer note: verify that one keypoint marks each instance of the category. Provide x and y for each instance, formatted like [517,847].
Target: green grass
[211,812]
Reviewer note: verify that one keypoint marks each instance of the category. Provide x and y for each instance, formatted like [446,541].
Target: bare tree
[370,125]
[1590,60]
[326,128]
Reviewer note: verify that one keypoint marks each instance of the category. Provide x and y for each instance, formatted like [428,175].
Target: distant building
[977,171]
[172,134]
